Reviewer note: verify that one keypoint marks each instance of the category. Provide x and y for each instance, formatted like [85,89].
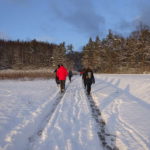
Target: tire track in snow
[126,128]
[49,118]
[108,140]
[71,125]
[26,128]
[46,119]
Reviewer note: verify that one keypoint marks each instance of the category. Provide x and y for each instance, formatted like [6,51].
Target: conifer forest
[112,54]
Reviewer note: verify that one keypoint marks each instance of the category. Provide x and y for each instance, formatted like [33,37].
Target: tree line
[112,54]
[116,54]
[33,54]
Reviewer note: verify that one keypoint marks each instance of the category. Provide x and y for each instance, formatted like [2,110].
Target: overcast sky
[72,21]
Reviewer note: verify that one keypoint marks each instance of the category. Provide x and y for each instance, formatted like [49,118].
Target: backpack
[89,75]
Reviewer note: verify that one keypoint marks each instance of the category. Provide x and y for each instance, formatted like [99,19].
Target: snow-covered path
[71,126]
[63,121]
[35,116]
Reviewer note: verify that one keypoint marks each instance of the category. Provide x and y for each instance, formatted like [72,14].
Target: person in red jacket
[62,74]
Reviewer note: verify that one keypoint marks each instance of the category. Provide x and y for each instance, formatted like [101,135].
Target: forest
[112,54]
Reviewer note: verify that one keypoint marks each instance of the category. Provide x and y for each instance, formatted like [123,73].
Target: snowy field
[35,116]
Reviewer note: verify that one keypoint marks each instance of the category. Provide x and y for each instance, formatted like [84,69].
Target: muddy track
[108,140]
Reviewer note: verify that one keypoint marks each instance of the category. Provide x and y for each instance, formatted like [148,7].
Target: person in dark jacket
[89,79]
[62,74]
[56,78]
[84,77]
[70,75]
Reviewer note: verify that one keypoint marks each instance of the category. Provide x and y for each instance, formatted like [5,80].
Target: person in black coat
[84,77]
[89,79]
[70,74]
[56,78]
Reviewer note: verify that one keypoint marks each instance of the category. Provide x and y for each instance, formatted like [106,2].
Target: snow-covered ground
[35,116]
[124,101]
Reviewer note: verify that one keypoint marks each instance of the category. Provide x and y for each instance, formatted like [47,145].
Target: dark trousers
[88,88]
[70,78]
[62,85]
[57,80]
[84,81]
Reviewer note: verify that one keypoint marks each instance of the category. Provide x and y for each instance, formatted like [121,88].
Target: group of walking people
[62,73]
